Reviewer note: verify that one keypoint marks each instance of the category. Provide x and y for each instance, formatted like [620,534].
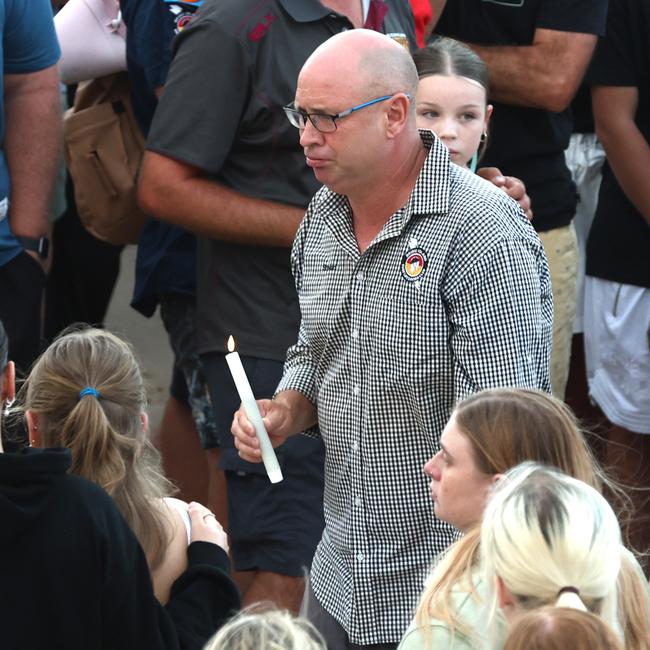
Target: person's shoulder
[84,489]
[238,15]
[243,25]
[469,610]
[481,207]
[438,635]
[91,500]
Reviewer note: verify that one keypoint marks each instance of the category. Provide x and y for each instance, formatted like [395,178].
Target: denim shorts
[188,386]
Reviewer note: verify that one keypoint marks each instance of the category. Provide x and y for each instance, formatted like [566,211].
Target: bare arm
[32,146]
[545,74]
[181,194]
[628,152]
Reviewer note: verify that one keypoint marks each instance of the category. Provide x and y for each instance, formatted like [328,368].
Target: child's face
[456,110]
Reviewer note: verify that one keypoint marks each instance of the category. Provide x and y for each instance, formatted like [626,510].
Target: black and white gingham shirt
[452,296]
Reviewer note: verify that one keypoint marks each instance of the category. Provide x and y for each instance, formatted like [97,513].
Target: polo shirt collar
[305,11]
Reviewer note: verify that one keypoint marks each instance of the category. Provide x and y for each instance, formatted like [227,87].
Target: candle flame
[231,344]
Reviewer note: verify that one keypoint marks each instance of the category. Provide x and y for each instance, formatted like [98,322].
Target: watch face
[40,245]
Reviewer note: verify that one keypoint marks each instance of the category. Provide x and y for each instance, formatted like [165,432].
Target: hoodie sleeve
[201,599]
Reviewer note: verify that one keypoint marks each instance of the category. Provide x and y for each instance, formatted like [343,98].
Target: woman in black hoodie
[72,574]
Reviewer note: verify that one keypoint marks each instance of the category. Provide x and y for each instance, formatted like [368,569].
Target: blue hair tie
[88,390]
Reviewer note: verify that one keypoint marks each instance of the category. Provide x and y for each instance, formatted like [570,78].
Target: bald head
[373,62]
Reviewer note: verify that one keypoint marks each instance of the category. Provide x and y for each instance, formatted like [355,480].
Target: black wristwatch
[40,245]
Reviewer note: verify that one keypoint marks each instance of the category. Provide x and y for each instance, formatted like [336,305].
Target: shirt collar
[430,194]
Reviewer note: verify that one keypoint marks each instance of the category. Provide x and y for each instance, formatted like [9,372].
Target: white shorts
[584,158]
[617,351]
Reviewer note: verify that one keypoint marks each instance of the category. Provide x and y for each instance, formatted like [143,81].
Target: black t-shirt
[234,68]
[583,117]
[618,248]
[528,142]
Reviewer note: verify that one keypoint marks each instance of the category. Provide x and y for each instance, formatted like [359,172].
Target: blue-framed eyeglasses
[322,121]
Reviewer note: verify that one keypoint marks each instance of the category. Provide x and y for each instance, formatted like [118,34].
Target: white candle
[253,412]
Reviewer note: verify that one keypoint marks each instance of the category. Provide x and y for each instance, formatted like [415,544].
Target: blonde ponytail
[88,392]
[547,536]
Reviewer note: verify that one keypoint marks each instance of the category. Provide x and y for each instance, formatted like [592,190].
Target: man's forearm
[545,74]
[32,147]
[179,194]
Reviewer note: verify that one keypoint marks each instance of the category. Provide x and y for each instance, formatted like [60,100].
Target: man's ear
[397,114]
[32,428]
[9,383]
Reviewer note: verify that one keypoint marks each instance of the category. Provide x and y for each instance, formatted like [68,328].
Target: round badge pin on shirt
[414,264]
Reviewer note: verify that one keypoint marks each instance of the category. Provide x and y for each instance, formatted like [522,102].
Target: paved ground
[147,336]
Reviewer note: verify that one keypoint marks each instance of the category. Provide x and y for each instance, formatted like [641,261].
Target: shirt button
[356,390]
[355,446]
[361,557]
[355,334]
[357,501]
[360,276]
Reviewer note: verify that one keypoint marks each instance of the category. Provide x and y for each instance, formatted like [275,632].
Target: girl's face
[456,110]
[458,488]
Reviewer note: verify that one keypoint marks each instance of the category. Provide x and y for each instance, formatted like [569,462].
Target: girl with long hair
[86,393]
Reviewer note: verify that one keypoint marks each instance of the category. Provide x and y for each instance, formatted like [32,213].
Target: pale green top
[471,612]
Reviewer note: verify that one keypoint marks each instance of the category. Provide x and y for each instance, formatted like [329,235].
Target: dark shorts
[272,527]
[189,385]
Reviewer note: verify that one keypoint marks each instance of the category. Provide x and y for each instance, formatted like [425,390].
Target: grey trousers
[335,636]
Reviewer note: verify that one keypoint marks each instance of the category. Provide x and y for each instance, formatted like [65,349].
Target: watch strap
[40,245]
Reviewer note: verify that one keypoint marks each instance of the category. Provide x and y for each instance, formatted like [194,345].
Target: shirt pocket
[412,353]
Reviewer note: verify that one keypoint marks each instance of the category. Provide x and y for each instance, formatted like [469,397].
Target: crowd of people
[376,199]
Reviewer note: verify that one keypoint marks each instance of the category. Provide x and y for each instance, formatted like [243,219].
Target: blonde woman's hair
[505,426]
[256,629]
[552,540]
[104,433]
[561,628]
[633,603]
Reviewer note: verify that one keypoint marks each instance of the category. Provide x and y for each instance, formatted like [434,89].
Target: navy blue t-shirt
[166,260]
[28,45]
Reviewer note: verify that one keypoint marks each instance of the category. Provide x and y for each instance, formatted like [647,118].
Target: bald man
[419,283]
[223,162]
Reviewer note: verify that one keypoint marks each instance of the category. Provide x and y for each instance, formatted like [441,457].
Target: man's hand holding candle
[286,415]
[273,416]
